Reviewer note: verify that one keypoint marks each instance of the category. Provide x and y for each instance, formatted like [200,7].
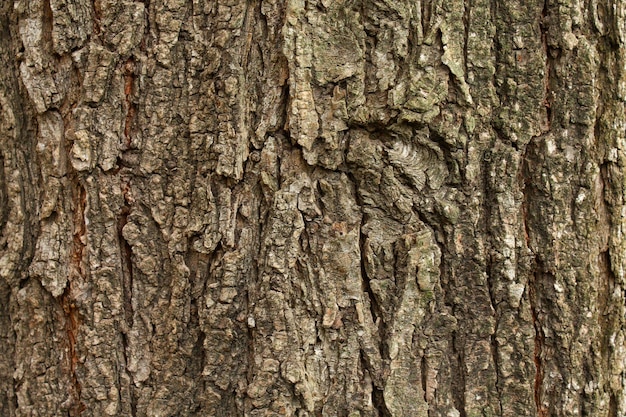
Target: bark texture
[312,208]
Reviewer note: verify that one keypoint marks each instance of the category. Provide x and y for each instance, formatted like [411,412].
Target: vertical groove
[127,292]
[129,79]
[547,103]
[126,256]
[487,205]
[539,343]
[494,342]
[459,386]
[378,397]
[535,275]
[77,271]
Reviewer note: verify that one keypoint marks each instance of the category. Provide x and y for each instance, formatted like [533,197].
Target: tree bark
[312,208]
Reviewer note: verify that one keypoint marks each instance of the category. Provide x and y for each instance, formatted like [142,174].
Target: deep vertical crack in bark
[547,103]
[129,69]
[606,310]
[542,411]
[494,304]
[71,329]
[4,203]
[378,380]
[494,353]
[126,253]
[459,384]
[374,307]
[79,196]
[487,203]
[494,341]
[127,288]
[532,286]
[378,401]
[197,262]
[424,381]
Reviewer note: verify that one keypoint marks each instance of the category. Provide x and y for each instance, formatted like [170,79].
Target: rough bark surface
[312,208]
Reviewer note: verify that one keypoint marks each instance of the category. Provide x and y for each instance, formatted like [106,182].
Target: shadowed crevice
[539,344]
[67,300]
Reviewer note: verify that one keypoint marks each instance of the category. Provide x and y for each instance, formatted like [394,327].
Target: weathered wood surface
[312,208]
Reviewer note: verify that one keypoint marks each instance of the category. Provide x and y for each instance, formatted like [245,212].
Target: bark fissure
[458,387]
[493,337]
[126,255]
[373,303]
[129,69]
[494,350]
[612,406]
[378,401]
[4,212]
[493,275]
[424,372]
[71,329]
[67,300]
[532,289]
[378,397]
[548,52]
[542,411]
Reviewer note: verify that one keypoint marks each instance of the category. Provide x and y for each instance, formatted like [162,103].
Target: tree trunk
[312,208]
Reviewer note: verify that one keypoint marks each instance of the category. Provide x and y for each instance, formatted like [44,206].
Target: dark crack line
[79,197]
[491,277]
[494,341]
[126,254]
[547,101]
[378,398]
[459,395]
[535,275]
[539,343]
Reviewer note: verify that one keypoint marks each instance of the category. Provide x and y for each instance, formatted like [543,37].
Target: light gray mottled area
[312,208]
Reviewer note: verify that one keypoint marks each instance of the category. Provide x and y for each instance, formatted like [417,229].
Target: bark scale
[353,208]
